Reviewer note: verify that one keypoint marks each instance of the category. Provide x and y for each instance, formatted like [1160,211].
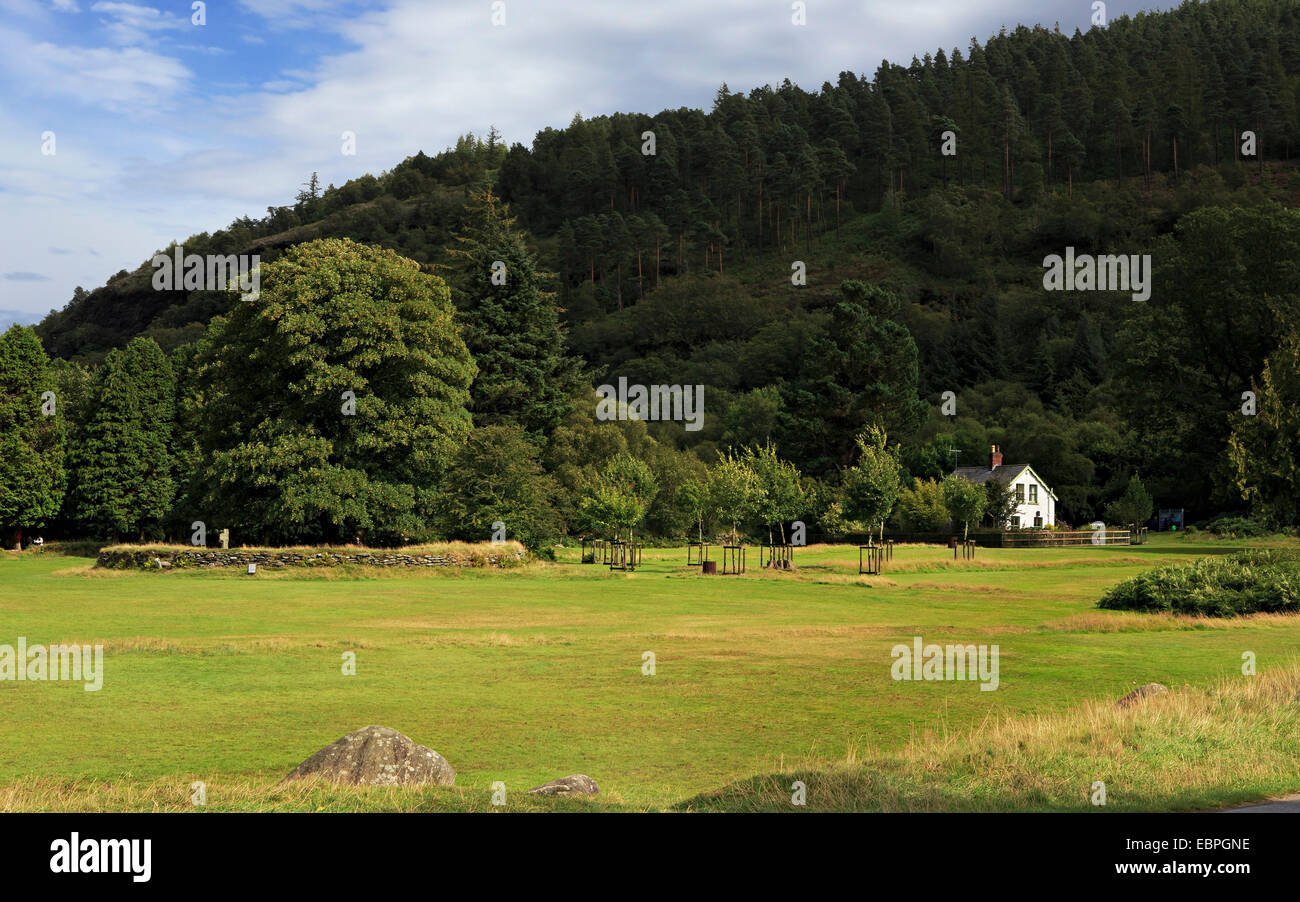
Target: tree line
[676,265]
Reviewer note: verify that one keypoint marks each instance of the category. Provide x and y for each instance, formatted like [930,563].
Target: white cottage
[1035,503]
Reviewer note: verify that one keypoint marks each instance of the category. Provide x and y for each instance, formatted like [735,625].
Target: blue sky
[163,128]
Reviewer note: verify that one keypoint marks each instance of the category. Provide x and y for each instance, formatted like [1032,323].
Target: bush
[1265,581]
[1234,527]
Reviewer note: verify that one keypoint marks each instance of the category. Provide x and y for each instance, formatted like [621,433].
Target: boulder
[572,785]
[377,756]
[1140,693]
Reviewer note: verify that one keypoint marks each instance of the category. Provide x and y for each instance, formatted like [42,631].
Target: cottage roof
[1003,474]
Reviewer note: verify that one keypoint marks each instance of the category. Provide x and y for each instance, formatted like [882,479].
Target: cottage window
[1033,494]
[1020,493]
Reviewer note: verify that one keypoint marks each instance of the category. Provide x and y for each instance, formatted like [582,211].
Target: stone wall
[202,558]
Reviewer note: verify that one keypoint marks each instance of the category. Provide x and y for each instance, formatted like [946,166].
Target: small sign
[252,568]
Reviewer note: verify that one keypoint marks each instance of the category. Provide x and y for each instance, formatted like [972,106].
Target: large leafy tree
[31,441]
[1264,448]
[509,322]
[121,454]
[861,369]
[336,402]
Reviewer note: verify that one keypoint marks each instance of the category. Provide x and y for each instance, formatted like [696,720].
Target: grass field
[528,674]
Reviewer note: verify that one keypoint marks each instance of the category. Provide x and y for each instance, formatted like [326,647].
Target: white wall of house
[1036,507]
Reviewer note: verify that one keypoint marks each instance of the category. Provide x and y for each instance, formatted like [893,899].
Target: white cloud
[128,79]
[129,23]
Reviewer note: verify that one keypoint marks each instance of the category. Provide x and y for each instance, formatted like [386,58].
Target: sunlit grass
[528,674]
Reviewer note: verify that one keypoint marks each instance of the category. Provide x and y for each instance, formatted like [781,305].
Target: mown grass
[528,674]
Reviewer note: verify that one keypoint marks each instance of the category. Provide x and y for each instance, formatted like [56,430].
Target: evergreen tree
[121,455]
[1133,508]
[510,324]
[861,370]
[31,437]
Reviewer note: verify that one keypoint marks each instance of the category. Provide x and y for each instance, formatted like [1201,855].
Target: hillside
[675,266]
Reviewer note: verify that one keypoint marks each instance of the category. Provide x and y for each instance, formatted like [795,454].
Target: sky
[125,126]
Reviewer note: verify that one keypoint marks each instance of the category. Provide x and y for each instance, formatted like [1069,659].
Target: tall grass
[1189,749]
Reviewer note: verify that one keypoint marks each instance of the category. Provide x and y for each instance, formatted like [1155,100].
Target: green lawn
[526,675]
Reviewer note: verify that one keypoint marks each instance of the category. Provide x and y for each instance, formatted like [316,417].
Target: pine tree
[31,436]
[121,456]
[510,323]
[861,370]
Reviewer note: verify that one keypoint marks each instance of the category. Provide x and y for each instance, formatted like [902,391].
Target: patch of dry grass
[1190,749]
[176,794]
[1131,622]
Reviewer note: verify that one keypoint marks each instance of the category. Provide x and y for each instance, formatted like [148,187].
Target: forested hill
[675,265]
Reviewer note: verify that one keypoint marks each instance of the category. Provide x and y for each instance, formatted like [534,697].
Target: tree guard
[733,559]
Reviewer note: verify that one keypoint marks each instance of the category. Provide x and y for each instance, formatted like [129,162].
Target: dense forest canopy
[821,264]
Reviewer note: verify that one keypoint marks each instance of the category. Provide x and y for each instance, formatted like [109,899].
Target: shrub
[1228,586]
[1235,527]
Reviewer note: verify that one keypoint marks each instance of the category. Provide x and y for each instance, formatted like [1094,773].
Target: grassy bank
[1194,748]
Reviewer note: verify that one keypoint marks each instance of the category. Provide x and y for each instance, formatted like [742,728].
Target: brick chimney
[995,458]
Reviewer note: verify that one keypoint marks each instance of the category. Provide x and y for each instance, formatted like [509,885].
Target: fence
[1020,538]
[1047,538]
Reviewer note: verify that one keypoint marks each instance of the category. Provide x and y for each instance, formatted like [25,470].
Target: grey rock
[572,785]
[378,756]
[1140,693]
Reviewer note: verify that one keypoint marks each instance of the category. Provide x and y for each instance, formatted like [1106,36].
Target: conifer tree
[510,324]
[31,436]
[121,457]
